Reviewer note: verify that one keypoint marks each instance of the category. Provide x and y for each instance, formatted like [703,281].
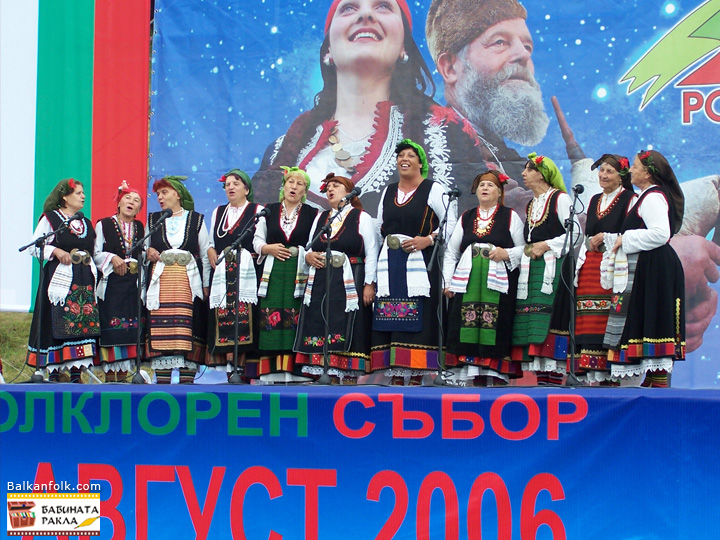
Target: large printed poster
[332,86]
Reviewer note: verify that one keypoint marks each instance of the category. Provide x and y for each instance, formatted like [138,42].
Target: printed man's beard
[511,109]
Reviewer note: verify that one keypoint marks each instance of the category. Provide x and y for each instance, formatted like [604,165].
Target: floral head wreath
[549,170]
[647,160]
[287,171]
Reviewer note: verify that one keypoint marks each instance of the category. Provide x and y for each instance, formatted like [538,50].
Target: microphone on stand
[75,216]
[354,193]
[262,213]
[454,193]
[577,190]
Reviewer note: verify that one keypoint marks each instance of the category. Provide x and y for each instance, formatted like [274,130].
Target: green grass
[14,331]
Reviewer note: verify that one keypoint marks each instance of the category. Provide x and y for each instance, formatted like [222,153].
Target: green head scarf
[408,143]
[176,182]
[55,199]
[242,175]
[286,172]
[549,170]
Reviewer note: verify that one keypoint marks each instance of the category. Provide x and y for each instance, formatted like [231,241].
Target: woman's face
[76,200]
[335,193]
[168,198]
[609,178]
[129,205]
[488,193]
[366,32]
[236,190]
[534,179]
[640,177]
[295,189]
[408,163]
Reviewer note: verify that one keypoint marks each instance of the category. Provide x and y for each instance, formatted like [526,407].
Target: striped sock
[163,376]
[187,376]
[75,375]
[656,379]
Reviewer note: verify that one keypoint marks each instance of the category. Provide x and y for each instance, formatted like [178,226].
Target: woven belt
[78,256]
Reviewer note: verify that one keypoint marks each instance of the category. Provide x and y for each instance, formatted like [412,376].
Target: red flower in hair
[644,154]
[624,163]
[323,187]
[539,159]
[503,178]
[71,184]
[223,179]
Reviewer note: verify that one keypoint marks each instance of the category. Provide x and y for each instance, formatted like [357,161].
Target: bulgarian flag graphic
[85,89]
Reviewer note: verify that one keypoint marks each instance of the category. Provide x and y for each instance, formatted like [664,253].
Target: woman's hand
[416,244]
[213,256]
[596,241]
[448,293]
[62,256]
[618,243]
[539,249]
[315,259]
[498,254]
[153,254]
[279,251]
[368,293]
[119,265]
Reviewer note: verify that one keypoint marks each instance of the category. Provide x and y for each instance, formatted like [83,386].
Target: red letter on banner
[530,522]
[399,488]
[143,475]
[201,518]
[108,508]
[533,417]
[399,416]
[555,418]
[44,475]
[493,482]
[250,477]
[312,479]
[692,102]
[438,480]
[339,416]
[449,416]
[709,102]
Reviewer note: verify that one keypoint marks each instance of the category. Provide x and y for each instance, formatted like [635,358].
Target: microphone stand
[142,263]
[325,378]
[236,378]
[568,251]
[436,256]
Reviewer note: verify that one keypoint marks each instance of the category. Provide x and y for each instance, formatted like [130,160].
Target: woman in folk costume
[66,337]
[605,215]
[178,286]
[405,318]
[540,331]
[352,271]
[480,273]
[646,328]
[377,90]
[227,223]
[117,288]
[280,239]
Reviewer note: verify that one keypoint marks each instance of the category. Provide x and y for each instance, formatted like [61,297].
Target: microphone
[262,213]
[578,189]
[163,216]
[454,193]
[354,193]
[75,216]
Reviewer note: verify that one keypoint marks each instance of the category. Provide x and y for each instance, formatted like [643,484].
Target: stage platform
[309,462]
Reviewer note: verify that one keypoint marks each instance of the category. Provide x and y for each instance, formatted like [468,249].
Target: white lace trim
[541,364]
[333,372]
[652,364]
[407,373]
[123,365]
[596,377]
[438,153]
[172,361]
[468,373]
[283,377]
[81,363]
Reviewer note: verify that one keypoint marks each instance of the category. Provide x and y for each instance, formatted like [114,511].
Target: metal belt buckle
[294,251]
[230,254]
[393,241]
[337,260]
[183,259]
[132,267]
[76,256]
[482,251]
[167,258]
[528,250]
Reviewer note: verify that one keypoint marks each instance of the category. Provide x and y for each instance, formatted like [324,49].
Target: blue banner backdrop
[322,463]
[231,78]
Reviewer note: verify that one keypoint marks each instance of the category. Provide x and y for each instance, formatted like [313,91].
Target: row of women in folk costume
[508,312]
